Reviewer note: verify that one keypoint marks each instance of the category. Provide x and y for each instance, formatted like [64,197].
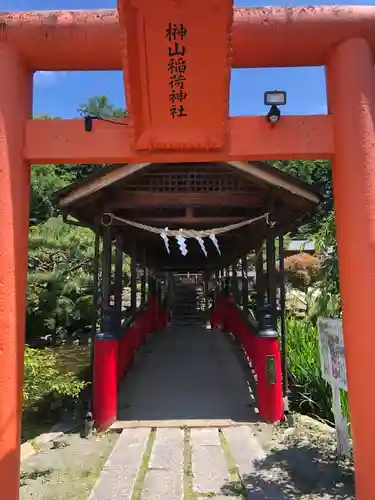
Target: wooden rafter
[276,178]
[102,182]
[150,199]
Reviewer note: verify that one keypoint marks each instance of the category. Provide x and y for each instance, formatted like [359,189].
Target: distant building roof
[301,246]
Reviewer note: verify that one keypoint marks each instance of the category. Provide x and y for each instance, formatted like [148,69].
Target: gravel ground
[302,461]
[66,468]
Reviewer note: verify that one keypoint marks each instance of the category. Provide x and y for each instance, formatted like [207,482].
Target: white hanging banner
[164,235]
[182,244]
[215,242]
[201,244]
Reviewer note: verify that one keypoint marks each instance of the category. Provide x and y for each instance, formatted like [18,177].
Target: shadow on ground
[34,475]
[297,472]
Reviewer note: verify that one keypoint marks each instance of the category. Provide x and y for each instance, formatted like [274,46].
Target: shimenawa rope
[185,233]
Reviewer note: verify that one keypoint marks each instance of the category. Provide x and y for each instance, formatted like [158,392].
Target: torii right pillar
[351,100]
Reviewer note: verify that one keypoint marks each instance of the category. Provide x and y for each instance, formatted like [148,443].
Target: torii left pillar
[15,108]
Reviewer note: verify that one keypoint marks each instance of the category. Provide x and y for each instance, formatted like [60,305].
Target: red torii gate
[341,38]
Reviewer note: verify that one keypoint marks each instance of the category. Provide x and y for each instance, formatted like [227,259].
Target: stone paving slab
[164,480]
[220,497]
[119,425]
[46,437]
[210,470]
[162,485]
[244,448]
[259,482]
[27,450]
[120,472]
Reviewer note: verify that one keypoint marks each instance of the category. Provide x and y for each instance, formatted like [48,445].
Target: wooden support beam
[260,283]
[145,199]
[284,363]
[106,273]
[118,284]
[133,279]
[271,274]
[95,295]
[143,285]
[191,221]
[245,285]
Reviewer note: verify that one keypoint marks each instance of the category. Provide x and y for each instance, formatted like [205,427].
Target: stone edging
[32,446]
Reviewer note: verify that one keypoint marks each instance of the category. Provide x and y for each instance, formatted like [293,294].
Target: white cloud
[47,78]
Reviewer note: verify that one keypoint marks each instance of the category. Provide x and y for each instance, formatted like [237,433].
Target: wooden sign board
[177,62]
[333,367]
[332,355]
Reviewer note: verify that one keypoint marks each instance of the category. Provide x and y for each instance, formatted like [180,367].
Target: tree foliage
[317,173]
[45,181]
[328,302]
[60,280]
[100,106]
[321,228]
[301,270]
[42,376]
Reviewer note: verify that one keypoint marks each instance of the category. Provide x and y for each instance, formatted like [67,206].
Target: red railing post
[105,381]
[268,370]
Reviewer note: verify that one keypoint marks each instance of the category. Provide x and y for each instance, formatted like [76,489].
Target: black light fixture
[274,98]
[88,123]
[89,119]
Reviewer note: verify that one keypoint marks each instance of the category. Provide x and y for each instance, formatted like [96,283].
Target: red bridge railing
[114,355]
[261,351]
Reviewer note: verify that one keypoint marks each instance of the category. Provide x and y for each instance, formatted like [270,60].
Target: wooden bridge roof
[189,195]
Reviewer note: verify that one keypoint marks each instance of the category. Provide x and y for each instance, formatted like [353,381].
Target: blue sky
[59,94]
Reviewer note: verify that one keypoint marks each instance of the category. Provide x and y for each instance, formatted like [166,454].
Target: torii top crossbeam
[262,36]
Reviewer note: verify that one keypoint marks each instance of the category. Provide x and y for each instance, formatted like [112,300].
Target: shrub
[301,270]
[43,378]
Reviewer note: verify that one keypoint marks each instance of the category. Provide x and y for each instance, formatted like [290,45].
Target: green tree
[59,281]
[100,106]
[328,300]
[320,226]
[45,181]
[318,173]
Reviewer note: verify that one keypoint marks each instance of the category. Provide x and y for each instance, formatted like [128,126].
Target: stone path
[181,464]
